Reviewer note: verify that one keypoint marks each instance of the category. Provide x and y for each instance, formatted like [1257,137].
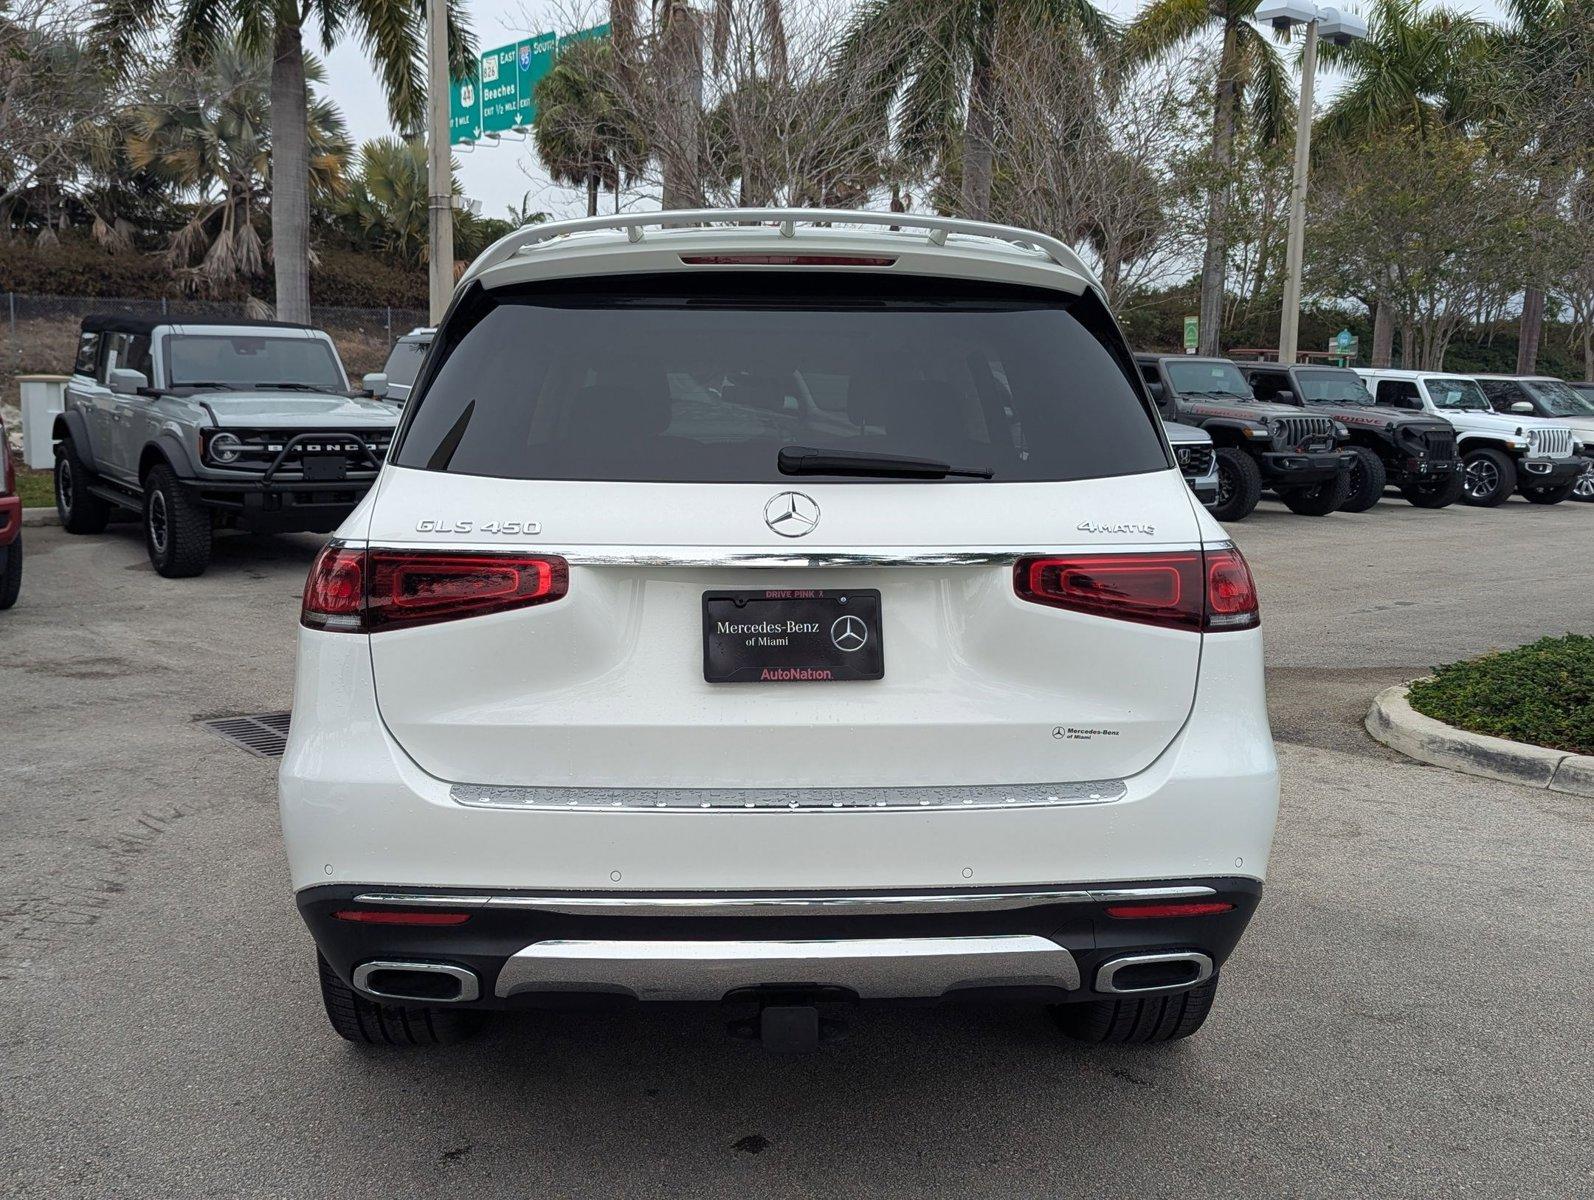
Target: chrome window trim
[747,556]
[878,968]
[983,797]
[754,905]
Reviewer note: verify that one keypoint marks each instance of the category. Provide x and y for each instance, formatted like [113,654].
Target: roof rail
[526,239]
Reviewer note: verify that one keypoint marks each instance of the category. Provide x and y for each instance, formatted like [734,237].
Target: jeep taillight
[1180,589]
[369,591]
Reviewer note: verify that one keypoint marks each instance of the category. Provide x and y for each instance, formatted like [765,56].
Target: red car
[10,526]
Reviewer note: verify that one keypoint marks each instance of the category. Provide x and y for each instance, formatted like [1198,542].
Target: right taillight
[1180,589]
[369,591]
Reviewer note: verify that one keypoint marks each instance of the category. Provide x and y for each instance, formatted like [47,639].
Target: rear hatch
[729,624]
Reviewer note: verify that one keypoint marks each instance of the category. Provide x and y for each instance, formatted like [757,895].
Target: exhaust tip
[425,982]
[1138,974]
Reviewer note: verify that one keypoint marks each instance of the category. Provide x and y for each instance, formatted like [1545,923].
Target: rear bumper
[1290,469]
[516,950]
[10,519]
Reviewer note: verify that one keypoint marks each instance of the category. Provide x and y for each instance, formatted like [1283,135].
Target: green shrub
[1542,693]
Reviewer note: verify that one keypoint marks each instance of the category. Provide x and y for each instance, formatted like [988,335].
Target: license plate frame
[787,635]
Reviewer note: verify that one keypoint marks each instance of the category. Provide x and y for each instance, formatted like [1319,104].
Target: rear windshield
[708,386]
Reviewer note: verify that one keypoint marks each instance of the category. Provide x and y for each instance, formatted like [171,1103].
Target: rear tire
[1435,493]
[1239,485]
[1548,495]
[365,1021]
[11,573]
[1490,478]
[1318,500]
[1367,479]
[1138,1019]
[177,530]
[80,510]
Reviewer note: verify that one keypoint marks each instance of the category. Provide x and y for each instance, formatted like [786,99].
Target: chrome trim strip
[789,904]
[780,556]
[874,968]
[469,986]
[915,799]
[1108,971]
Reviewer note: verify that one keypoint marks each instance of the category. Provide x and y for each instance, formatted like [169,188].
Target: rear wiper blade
[807,460]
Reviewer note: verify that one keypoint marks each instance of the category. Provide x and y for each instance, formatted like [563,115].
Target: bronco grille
[1306,433]
[1194,461]
[261,448]
[1550,443]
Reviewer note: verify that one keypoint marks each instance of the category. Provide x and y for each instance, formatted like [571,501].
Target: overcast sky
[500,175]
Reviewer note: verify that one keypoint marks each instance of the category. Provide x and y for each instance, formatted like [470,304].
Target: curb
[1394,722]
[39,516]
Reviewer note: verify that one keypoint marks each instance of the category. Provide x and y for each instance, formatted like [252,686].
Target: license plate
[324,468]
[787,636]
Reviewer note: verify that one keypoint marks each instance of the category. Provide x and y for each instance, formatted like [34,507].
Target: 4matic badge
[1129,527]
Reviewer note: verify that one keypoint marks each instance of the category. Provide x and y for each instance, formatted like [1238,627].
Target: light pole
[439,164]
[1340,27]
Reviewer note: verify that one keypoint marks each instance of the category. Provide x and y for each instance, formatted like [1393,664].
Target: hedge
[1542,693]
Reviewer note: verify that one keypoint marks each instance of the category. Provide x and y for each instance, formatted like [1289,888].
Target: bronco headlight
[225,448]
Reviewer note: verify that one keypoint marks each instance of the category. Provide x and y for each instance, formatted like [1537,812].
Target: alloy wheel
[1225,484]
[1483,478]
[157,521]
[63,486]
[1583,489]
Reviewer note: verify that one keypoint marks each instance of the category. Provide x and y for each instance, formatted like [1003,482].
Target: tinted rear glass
[709,386]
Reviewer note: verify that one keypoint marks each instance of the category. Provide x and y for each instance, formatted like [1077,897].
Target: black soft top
[144,326]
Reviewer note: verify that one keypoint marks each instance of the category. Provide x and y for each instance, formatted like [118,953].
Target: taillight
[369,591]
[1179,589]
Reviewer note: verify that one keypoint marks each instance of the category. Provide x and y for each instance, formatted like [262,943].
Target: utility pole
[439,165]
[1295,248]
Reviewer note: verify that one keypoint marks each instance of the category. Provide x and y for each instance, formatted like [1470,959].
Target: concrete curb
[40,516]
[1393,721]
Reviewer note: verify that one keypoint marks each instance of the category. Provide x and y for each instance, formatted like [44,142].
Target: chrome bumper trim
[982,797]
[779,556]
[874,968]
[791,905]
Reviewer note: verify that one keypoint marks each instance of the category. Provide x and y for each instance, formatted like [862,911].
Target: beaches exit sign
[498,98]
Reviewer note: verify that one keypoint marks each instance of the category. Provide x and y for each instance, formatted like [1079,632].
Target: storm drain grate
[262,734]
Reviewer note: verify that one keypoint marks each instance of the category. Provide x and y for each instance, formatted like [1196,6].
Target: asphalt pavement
[1409,1015]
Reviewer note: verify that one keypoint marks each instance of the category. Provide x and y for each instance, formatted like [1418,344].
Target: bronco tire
[361,1020]
[1367,479]
[1491,477]
[1435,493]
[1239,485]
[1318,500]
[79,510]
[1124,1019]
[176,529]
[1548,495]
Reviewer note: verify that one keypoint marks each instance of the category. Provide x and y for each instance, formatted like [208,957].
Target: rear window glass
[709,386]
[405,362]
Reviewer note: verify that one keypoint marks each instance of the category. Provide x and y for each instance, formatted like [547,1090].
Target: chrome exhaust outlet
[1143,974]
[417,982]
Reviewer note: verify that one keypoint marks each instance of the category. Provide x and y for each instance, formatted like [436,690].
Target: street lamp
[1342,28]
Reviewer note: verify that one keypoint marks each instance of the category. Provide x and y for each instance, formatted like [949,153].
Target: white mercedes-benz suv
[782,609]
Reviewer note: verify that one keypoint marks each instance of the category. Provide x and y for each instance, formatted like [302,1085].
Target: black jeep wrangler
[1412,451]
[1294,453]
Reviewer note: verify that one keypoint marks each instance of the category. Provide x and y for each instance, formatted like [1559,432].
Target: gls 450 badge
[501,528]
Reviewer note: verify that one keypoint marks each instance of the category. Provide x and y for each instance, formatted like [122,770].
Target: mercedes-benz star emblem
[849,633]
[791,514]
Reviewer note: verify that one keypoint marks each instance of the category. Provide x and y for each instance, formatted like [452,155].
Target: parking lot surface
[1409,1014]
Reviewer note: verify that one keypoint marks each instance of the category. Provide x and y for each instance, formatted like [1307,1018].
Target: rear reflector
[787,260]
[375,916]
[1182,589]
[1192,908]
[369,591]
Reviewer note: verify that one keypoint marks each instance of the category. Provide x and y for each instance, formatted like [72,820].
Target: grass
[1541,693]
[37,488]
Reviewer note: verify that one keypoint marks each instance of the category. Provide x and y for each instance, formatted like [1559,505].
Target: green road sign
[500,89]
[1345,342]
[534,59]
[1192,334]
[464,111]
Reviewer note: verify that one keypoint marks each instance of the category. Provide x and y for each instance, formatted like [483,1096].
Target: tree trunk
[1383,333]
[1224,117]
[978,152]
[680,149]
[1530,331]
[290,175]
[592,193]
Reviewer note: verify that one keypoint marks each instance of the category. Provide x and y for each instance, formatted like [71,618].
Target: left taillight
[1181,589]
[370,591]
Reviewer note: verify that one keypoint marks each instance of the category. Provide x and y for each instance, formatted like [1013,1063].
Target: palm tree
[1249,71]
[383,208]
[938,59]
[584,133]
[389,29]
[1417,69]
[205,132]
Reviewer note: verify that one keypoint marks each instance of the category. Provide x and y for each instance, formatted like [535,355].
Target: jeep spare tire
[1239,485]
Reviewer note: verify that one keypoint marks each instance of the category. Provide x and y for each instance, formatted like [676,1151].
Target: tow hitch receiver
[789,1020]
